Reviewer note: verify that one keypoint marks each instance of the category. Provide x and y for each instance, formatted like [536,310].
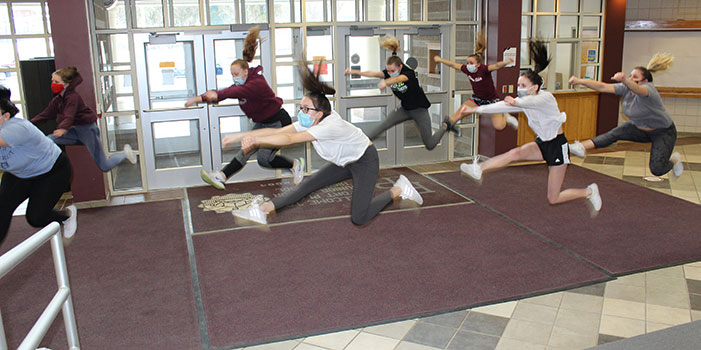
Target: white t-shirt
[544,117]
[337,140]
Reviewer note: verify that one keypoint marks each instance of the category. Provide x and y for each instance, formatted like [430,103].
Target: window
[25,34]
[572,29]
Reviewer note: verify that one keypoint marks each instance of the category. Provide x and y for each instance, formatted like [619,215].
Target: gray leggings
[418,115]
[364,172]
[662,143]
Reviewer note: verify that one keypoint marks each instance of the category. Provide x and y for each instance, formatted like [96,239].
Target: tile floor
[574,319]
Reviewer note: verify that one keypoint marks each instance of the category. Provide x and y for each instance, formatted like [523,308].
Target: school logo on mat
[227,203]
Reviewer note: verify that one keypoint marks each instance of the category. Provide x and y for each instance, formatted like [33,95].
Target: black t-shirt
[409,92]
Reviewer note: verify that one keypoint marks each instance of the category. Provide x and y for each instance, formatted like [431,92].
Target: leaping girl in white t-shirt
[349,152]
[545,119]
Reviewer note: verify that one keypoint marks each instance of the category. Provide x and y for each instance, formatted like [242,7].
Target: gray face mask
[471,68]
[522,92]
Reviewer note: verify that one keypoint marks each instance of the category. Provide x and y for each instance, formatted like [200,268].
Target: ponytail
[250,45]
[316,89]
[391,43]
[480,47]
[658,62]
[538,53]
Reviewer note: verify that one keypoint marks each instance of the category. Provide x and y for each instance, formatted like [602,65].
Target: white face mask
[471,68]
[524,92]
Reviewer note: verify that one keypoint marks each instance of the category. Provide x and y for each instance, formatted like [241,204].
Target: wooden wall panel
[580,107]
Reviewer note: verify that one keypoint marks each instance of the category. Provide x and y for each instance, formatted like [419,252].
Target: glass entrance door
[366,106]
[227,117]
[179,141]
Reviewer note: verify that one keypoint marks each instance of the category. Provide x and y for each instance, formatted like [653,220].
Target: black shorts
[555,152]
[480,102]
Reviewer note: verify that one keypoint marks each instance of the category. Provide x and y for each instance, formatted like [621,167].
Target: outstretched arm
[277,140]
[593,84]
[500,65]
[368,74]
[209,96]
[631,85]
[234,138]
[448,63]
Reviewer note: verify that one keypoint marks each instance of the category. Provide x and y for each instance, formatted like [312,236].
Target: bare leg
[458,115]
[499,121]
[529,151]
[556,175]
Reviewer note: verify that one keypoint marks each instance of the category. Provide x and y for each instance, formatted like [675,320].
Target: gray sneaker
[214,178]
[298,171]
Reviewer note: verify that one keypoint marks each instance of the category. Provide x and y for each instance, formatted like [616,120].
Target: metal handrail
[61,301]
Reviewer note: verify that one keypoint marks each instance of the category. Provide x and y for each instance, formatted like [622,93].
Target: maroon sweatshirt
[69,109]
[256,98]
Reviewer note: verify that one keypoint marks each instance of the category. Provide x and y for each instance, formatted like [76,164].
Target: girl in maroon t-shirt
[484,93]
[258,101]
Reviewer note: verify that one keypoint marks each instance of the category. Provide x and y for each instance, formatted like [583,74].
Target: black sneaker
[450,126]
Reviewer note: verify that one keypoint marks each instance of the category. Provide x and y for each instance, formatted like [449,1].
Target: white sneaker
[70,225]
[511,121]
[408,190]
[298,171]
[594,199]
[131,155]
[578,149]
[472,170]
[214,178]
[252,213]
[678,168]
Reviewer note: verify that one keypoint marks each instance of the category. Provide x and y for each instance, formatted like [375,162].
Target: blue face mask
[304,119]
[395,74]
[239,81]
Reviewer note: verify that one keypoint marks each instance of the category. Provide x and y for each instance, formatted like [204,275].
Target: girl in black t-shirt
[402,80]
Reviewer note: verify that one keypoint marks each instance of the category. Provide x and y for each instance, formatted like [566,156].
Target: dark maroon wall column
[612,60]
[71,36]
[503,31]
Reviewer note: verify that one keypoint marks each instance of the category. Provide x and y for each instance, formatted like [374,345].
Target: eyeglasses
[307,109]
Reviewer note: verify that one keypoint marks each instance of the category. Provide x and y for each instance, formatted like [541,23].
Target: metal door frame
[181,176]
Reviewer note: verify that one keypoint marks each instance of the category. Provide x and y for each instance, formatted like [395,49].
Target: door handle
[366,96]
[171,109]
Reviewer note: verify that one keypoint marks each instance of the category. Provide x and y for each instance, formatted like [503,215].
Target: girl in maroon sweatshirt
[76,121]
[258,101]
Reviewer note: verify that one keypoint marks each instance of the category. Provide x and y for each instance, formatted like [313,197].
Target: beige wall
[667,10]
[639,47]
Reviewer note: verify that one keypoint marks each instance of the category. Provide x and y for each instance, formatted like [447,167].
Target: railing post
[62,280]
[3,340]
